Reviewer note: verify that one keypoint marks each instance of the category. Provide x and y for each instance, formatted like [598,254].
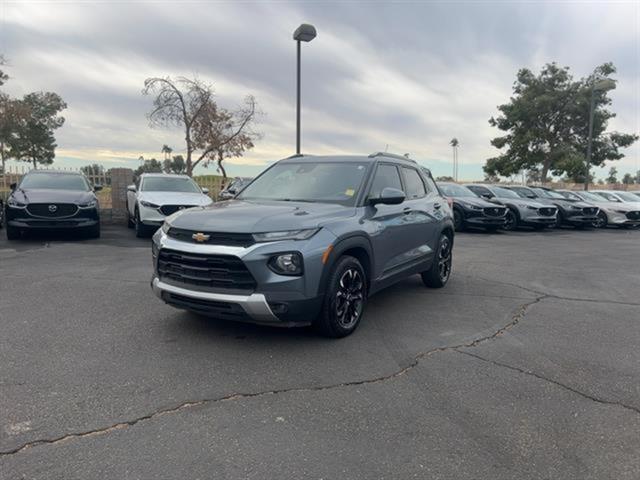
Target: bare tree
[211,133]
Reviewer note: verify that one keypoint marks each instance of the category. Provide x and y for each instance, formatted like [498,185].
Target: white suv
[158,195]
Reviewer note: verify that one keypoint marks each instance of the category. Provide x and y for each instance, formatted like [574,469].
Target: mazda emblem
[53,208]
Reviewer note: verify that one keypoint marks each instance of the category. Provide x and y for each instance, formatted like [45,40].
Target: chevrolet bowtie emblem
[200,237]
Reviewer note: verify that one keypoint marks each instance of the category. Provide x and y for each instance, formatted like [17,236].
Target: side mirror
[205,191]
[13,186]
[488,196]
[97,188]
[231,191]
[131,188]
[389,196]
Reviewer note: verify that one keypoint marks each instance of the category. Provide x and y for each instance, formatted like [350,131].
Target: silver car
[612,212]
[521,211]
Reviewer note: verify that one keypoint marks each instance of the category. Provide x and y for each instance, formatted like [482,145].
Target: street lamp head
[604,84]
[305,33]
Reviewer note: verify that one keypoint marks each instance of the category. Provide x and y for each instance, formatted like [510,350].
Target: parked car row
[511,206]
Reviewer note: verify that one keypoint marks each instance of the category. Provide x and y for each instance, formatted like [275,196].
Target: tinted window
[323,182]
[413,183]
[169,184]
[387,176]
[54,181]
[453,190]
[505,193]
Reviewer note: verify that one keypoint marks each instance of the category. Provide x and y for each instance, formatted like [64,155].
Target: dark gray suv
[307,242]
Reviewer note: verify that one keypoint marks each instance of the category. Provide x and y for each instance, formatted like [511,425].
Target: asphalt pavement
[526,366]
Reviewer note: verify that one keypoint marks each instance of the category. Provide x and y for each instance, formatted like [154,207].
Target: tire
[438,275]
[141,229]
[130,222]
[510,221]
[602,221]
[458,220]
[94,232]
[13,233]
[344,300]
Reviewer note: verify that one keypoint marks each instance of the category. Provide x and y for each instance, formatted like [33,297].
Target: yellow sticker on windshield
[349,192]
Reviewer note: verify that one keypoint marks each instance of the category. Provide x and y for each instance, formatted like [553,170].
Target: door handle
[437,206]
[406,210]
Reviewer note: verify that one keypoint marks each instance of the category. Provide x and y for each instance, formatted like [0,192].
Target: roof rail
[295,155]
[391,155]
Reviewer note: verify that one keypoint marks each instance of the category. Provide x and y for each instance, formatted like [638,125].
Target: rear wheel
[510,221]
[602,220]
[438,275]
[559,220]
[344,299]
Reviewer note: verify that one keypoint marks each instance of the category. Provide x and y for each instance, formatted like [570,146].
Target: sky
[401,76]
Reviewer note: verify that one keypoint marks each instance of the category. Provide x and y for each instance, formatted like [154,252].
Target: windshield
[452,190]
[324,182]
[55,181]
[607,196]
[571,196]
[591,196]
[504,193]
[541,192]
[524,192]
[169,184]
[627,197]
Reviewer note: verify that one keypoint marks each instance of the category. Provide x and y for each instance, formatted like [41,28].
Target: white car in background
[158,195]
[612,211]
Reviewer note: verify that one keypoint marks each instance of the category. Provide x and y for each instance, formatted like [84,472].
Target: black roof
[348,158]
[54,172]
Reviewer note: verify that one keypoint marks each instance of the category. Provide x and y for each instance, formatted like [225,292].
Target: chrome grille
[215,238]
[591,211]
[635,215]
[547,211]
[495,211]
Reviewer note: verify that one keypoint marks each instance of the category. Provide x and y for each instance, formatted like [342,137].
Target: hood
[241,216]
[175,198]
[478,202]
[44,195]
[622,206]
[566,203]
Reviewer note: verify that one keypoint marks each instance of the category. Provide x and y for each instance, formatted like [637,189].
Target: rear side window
[387,176]
[414,184]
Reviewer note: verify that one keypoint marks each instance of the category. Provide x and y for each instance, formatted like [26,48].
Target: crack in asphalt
[558,297]
[516,317]
[550,380]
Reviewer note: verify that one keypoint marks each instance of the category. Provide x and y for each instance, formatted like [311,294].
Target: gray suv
[307,242]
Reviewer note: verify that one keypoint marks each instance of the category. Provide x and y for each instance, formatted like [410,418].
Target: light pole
[304,33]
[603,84]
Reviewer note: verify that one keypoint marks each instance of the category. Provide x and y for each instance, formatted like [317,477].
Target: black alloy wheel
[510,221]
[438,275]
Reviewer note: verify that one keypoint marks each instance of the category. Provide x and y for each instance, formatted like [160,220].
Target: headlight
[12,202]
[91,204]
[286,235]
[165,227]
[530,207]
[286,263]
[624,212]
[149,204]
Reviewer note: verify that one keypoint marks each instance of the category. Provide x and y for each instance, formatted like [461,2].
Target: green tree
[174,165]
[148,166]
[613,175]
[546,124]
[34,140]
[166,151]
[627,179]
[3,76]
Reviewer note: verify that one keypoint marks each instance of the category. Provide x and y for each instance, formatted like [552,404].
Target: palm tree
[455,143]
[166,149]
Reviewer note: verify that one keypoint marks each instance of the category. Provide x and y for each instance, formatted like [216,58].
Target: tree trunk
[35,163]
[545,171]
[224,172]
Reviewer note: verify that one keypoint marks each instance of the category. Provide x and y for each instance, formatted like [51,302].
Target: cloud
[406,75]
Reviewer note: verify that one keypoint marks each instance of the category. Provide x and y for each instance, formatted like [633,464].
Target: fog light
[286,263]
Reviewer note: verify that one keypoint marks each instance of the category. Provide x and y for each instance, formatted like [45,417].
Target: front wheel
[142,231]
[344,299]
[438,275]
[12,233]
[602,220]
[458,220]
[510,221]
